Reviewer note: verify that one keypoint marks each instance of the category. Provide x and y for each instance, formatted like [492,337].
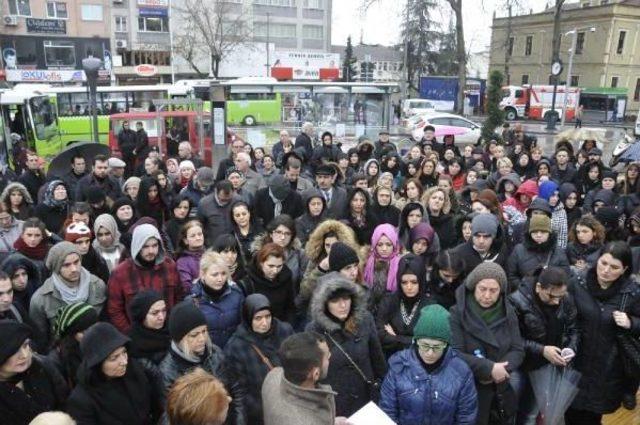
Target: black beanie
[184,318]
[141,303]
[95,194]
[99,341]
[121,202]
[12,334]
[609,217]
[340,256]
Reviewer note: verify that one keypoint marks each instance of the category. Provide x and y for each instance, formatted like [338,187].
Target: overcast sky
[381,23]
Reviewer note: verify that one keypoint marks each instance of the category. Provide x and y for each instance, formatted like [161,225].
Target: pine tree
[349,72]
[446,60]
[495,116]
[422,35]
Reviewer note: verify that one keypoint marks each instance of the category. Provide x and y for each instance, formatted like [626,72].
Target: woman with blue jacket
[219,301]
[428,383]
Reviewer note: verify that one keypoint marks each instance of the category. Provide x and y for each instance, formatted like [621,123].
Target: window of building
[275,30]
[153,24]
[19,7]
[284,3]
[614,82]
[528,45]
[586,4]
[121,23]
[579,43]
[510,44]
[621,38]
[525,79]
[313,4]
[636,93]
[312,31]
[57,10]
[91,12]
[59,53]
[575,81]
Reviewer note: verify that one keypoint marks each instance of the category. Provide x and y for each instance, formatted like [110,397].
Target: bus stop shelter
[603,104]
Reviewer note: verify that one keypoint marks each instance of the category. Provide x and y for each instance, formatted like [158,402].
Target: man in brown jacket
[291,394]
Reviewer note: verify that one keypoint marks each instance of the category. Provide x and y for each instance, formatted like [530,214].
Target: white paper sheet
[370,414]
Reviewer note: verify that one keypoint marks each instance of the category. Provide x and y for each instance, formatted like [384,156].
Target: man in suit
[336,197]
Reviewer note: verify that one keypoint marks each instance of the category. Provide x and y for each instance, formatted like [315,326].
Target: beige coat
[290,404]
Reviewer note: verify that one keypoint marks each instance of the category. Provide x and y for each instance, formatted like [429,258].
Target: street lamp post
[572,52]
[268,36]
[169,18]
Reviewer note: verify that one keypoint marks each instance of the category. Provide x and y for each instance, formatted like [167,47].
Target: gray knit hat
[58,253]
[487,271]
[485,223]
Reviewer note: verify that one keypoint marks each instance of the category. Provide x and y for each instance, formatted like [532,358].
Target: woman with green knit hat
[428,383]
[70,323]
[485,331]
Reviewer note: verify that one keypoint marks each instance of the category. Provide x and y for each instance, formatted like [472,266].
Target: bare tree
[208,29]
[461,52]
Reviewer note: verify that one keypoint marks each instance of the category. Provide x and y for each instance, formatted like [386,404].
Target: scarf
[394,259]
[38,252]
[147,342]
[277,204]
[597,291]
[430,368]
[76,294]
[214,294]
[49,199]
[488,315]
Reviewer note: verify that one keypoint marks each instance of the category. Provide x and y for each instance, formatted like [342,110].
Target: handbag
[504,405]
[264,358]
[373,386]
[629,347]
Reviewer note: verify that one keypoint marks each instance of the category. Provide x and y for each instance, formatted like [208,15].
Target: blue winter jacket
[412,396]
[223,316]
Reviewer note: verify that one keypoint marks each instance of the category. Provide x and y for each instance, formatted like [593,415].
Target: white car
[412,107]
[471,130]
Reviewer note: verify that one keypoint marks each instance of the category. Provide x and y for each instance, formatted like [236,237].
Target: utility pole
[405,91]
[268,58]
[173,71]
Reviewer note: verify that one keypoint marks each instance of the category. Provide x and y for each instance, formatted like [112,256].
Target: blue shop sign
[147,11]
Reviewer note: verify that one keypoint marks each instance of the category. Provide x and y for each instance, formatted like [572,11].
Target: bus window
[113,102]
[80,104]
[143,101]
[44,117]
[65,107]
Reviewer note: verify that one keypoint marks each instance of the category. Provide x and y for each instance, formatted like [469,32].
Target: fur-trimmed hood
[13,186]
[315,245]
[328,285]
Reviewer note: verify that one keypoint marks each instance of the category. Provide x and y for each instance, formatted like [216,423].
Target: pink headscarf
[369,268]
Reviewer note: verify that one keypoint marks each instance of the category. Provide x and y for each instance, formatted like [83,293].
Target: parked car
[468,134]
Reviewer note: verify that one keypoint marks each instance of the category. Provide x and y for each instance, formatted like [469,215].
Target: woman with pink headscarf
[381,268]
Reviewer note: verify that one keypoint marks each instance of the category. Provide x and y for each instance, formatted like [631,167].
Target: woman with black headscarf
[149,203]
[398,312]
[112,388]
[149,335]
[253,349]
[359,216]
[383,207]
[54,208]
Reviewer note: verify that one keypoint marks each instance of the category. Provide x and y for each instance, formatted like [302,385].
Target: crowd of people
[296,284]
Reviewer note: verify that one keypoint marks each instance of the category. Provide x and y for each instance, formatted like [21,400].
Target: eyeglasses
[423,346]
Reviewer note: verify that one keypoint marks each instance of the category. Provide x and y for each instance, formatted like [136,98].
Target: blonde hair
[446,208]
[197,398]
[212,258]
[504,162]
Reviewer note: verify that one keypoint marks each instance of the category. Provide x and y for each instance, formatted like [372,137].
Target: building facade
[607,46]
[46,41]
[387,61]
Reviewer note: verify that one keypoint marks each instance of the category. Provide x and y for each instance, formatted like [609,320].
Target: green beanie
[433,323]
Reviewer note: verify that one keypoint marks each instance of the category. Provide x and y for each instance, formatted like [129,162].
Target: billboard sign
[45,75]
[306,65]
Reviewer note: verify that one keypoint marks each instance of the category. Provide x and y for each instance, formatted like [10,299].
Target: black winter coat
[44,390]
[444,226]
[497,254]
[533,325]
[482,345]
[527,256]
[249,367]
[441,292]
[130,400]
[52,217]
[291,205]
[389,314]
[363,347]
[603,380]
[280,292]
[175,364]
